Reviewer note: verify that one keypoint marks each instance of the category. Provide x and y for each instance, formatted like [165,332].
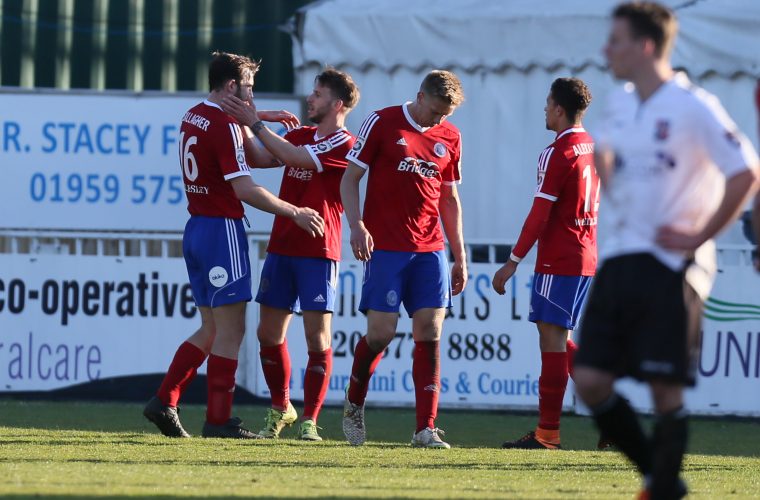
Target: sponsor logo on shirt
[217,276]
[439,150]
[302,174]
[192,188]
[401,142]
[427,169]
[665,159]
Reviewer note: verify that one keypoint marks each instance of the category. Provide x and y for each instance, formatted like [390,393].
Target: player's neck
[329,125]
[215,97]
[651,78]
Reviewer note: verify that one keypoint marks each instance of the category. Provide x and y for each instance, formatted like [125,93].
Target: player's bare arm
[503,275]
[738,189]
[247,114]
[756,228]
[450,208]
[604,159]
[362,244]
[256,155]
[533,227]
[256,196]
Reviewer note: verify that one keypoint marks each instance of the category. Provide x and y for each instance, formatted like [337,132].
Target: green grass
[89,449]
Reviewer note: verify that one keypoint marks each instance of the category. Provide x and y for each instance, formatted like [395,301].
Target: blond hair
[444,85]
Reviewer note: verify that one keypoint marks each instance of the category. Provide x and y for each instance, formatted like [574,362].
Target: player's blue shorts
[418,279]
[298,283]
[216,254]
[558,299]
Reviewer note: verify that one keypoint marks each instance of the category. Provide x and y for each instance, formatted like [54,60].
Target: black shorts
[642,320]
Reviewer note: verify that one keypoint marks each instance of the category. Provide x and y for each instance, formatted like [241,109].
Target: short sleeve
[331,152]
[553,169]
[230,151]
[452,174]
[727,147]
[367,142]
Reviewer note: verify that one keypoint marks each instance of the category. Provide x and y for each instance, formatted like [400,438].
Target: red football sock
[572,348]
[426,372]
[365,362]
[551,389]
[315,383]
[275,362]
[181,372]
[221,387]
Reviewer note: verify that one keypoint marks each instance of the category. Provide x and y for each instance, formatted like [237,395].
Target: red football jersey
[318,189]
[211,153]
[567,176]
[407,165]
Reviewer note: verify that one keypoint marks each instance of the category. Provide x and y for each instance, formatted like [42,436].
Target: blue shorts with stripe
[558,299]
[298,283]
[216,255]
[416,279]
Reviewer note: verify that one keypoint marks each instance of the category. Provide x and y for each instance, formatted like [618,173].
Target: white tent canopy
[507,53]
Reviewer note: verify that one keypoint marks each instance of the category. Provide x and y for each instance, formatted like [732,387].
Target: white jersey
[673,153]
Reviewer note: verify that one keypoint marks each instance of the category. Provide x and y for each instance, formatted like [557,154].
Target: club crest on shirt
[217,276]
[662,130]
[391,298]
[439,150]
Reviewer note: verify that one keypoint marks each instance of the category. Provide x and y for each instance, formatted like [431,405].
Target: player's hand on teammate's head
[287,118]
[243,111]
[310,221]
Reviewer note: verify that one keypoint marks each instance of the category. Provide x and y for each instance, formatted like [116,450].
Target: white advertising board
[489,350]
[102,161]
[67,320]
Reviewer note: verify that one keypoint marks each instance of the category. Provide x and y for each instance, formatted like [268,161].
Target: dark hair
[340,84]
[650,20]
[572,95]
[444,85]
[225,67]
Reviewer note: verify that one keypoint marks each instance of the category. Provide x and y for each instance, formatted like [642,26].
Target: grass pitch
[109,450]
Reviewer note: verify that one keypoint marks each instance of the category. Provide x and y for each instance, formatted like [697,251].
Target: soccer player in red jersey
[300,273]
[563,219]
[215,248]
[412,155]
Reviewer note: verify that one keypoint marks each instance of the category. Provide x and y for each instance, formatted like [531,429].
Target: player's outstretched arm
[450,208]
[362,244]
[245,112]
[256,196]
[738,189]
